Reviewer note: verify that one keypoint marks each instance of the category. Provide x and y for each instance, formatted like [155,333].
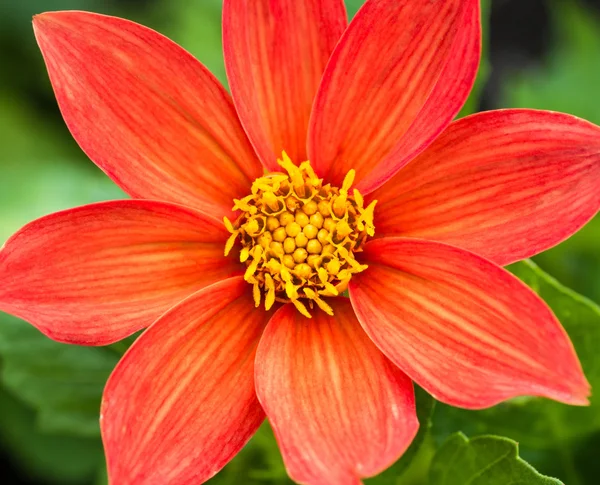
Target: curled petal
[464,329]
[340,410]
[401,72]
[275,53]
[98,273]
[505,184]
[181,403]
[145,111]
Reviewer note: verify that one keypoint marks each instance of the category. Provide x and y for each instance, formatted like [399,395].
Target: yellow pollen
[299,237]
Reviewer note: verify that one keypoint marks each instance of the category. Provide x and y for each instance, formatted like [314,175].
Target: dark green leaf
[54,458]
[62,382]
[485,460]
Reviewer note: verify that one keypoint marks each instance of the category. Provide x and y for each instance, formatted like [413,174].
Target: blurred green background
[540,54]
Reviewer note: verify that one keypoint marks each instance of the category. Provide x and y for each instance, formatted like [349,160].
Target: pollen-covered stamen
[299,236]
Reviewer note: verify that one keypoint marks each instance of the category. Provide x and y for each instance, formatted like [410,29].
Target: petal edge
[275,54]
[464,329]
[505,184]
[158,136]
[339,409]
[95,274]
[181,403]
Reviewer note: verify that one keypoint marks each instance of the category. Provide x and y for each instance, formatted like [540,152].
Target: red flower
[428,302]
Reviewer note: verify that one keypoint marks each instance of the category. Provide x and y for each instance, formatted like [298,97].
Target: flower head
[333,166]
[299,236]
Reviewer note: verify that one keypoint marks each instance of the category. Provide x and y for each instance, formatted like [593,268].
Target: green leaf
[52,458]
[20,125]
[576,262]
[62,382]
[484,460]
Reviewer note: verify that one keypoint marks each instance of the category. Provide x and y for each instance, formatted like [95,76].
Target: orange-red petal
[340,410]
[505,184]
[275,54]
[464,329]
[181,403]
[95,274]
[401,72]
[145,111]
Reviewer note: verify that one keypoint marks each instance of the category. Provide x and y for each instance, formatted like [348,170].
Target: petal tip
[37,21]
[580,402]
[43,22]
[61,19]
[576,389]
[581,393]
[40,19]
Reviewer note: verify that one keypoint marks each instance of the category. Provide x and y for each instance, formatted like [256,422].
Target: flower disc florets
[299,236]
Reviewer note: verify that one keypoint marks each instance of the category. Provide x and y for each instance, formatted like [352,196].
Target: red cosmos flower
[370,105]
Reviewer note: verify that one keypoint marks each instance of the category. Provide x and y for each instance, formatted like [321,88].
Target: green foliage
[39,170]
[49,392]
[48,191]
[55,458]
[485,460]
[62,382]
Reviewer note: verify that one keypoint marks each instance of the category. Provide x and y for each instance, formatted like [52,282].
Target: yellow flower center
[299,236]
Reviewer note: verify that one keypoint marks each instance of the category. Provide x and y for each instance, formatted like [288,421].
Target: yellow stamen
[358,198]
[347,183]
[244,254]
[254,264]
[270,286]
[256,294]
[301,308]
[299,236]
[228,224]
[230,242]
[320,303]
